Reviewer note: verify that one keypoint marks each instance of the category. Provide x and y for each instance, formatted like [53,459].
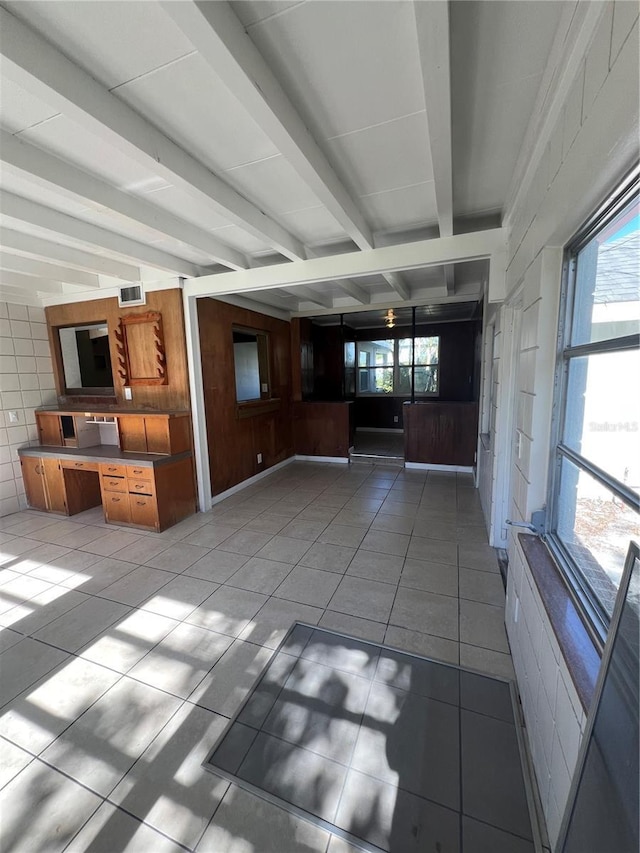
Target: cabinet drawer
[79,466]
[116,507]
[113,470]
[114,484]
[144,510]
[141,487]
[140,472]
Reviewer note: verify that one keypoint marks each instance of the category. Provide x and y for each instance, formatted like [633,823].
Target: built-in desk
[147,490]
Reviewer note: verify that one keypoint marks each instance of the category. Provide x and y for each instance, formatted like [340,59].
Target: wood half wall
[173,395]
[236,434]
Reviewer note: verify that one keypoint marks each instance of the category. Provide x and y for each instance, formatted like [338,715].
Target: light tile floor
[124,654]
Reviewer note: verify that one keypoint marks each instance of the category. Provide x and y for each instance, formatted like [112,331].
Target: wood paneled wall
[441,433]
[234,440]
[323,429]
[173,395]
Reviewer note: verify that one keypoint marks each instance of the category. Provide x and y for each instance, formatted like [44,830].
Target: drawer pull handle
[79,464]
[141,503]
[139,486]
[137,470]
[112,469]
[115,500]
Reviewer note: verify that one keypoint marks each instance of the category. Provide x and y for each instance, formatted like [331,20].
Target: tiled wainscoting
[552,709]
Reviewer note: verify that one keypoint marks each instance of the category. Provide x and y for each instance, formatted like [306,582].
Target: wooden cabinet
[144,511]
[116,507]
[133,436]
[131,491]
[33,478]
[148,496]
[49,429]
[44,483]
[155,433]
[165,433]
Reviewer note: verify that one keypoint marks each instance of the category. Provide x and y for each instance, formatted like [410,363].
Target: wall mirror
[86,360]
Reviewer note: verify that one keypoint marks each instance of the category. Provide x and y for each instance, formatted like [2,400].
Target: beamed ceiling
[146,141]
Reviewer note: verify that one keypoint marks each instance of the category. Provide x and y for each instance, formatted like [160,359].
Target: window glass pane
[607,300]
[426,381]
[602,420]
[375,353]
[349,354]
[427,350]
[404,381]
[375,380]
[405,351]
[595,528]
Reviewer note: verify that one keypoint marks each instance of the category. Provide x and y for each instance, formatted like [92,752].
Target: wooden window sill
[580,654]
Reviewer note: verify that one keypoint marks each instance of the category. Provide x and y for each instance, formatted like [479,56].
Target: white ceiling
[353,168]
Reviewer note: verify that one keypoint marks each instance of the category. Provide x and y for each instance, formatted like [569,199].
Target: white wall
[26,381]
[594,142]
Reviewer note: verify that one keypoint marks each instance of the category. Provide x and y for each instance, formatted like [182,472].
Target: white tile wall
[26,381]
[600,111]
[553,713]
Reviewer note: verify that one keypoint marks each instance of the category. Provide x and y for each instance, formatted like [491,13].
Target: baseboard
[340,460]
[397,431]
[429,466]
[250,481]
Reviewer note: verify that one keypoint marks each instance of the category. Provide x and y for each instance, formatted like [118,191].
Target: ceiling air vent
[133,294]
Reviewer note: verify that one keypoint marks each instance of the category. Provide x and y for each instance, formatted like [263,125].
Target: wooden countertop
[103,453]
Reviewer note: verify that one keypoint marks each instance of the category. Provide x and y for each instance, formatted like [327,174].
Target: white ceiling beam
[42,269]
[28,244]
[437,298]
[386,259]
[29,283]
[432,24]
[30,160]
[450,278]
[18,297]
[308,295]
[36,65]
[397,283]
[29,211]
[225,45]
[348,287]
[355,291]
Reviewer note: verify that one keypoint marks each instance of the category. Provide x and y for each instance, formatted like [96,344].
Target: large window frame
[395,369]
[597,614]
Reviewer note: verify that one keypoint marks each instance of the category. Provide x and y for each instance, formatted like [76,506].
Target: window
[387,367]
[596,464]
[251,361]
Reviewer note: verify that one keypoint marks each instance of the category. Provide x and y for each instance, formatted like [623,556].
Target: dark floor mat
[386,749]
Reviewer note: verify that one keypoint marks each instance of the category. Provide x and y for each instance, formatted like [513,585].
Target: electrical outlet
[13,417]
[128,394]
[395,419]
[259,458]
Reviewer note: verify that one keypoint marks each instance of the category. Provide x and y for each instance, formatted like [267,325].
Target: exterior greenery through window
[387,366]
[596,466]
